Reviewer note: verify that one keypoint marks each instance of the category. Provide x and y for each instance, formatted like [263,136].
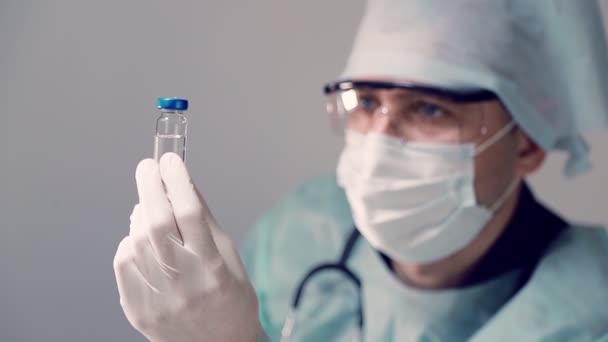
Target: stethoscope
[341,267]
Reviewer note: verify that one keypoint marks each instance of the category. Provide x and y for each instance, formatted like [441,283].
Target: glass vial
[171,127]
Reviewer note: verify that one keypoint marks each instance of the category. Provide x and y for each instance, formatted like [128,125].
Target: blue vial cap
[171,103]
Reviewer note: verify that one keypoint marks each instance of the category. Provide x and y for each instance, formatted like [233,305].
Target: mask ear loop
[505,195]
[484,146]
[493,139]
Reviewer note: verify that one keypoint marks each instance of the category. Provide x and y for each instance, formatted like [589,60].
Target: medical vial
[171,127]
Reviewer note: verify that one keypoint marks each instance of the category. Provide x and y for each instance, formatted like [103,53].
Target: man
[429,231]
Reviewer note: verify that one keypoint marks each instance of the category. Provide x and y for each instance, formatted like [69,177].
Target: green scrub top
[564,298]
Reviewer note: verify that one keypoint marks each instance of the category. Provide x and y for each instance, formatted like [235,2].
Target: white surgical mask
[414,201]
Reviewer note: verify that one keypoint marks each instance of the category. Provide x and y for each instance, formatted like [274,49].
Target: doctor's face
[418,116]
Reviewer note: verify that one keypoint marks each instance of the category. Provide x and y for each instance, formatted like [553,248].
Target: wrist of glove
[179,276]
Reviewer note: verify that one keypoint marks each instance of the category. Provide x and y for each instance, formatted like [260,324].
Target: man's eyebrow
[409,94]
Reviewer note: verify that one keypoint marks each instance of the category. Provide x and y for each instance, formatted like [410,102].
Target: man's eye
[367,103]
[430,111]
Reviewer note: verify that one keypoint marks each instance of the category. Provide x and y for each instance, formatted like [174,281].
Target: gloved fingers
[207,214]
[135,261]
[143,248]
[136,295]
[136,224]
[156,219]
[224,244]
[190,212]
[129,284]
[136,267]
[229,253]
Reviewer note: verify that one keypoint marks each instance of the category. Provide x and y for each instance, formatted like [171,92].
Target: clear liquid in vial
[164,143]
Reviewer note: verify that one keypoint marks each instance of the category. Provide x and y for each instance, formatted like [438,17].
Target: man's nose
[383,122]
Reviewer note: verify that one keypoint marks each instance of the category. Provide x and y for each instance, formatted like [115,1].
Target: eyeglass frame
[454,95]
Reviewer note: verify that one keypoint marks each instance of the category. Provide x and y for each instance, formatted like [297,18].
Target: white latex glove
[179,276]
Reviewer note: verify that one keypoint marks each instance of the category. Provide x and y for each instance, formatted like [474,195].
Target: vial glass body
[171,129]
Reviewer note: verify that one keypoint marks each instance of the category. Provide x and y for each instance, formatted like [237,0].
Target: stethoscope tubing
[341,267]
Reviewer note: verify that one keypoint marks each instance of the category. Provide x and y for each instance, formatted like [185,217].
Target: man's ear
[530,155]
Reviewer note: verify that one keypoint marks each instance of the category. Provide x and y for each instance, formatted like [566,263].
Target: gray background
[78,82]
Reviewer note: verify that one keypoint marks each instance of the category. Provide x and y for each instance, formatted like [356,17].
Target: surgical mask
[415,201]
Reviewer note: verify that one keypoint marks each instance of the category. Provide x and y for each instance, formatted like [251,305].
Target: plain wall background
[78,83]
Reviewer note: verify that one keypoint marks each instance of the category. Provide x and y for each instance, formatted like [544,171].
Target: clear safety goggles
[413,112]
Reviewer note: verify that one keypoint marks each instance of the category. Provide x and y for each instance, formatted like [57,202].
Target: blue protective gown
[564,298]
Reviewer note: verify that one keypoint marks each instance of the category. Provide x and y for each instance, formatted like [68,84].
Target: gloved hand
[179,276]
